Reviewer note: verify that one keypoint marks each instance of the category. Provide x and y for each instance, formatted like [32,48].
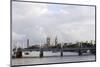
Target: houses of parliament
[48,41]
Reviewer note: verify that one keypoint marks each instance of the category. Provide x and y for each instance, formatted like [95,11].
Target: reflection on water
[53,58]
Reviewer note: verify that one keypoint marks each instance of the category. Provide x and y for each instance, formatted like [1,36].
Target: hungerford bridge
[80,50]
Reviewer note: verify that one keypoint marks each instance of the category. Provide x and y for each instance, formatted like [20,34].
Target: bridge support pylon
[19,53]
[41,53]
[61,52]
[80,52]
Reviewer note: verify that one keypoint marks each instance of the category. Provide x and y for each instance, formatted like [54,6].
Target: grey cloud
[70,23]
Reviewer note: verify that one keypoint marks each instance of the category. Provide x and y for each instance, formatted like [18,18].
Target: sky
[37,21]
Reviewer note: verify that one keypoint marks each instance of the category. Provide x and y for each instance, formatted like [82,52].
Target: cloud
[36,21]
[16,36]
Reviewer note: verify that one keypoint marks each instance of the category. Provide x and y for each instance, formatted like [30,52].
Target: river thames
[50,57]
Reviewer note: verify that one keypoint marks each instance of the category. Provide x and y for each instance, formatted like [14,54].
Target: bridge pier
[80,51]
[19,53]
[41,53]
[93,51]
[61,52]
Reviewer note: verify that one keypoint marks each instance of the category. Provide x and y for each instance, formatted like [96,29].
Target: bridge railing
[57,49]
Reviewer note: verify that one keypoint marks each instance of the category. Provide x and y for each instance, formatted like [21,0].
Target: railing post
[80,51]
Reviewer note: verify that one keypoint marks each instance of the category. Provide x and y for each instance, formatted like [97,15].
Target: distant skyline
[37,21]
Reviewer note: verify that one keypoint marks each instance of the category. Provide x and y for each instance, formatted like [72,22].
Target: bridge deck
[56,49]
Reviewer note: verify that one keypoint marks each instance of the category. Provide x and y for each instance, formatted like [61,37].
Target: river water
[50,57]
